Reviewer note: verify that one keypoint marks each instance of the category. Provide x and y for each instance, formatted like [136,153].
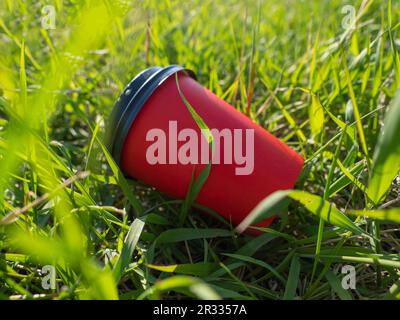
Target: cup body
[230,191]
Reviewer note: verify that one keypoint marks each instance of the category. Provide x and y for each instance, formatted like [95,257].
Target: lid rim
[131,101]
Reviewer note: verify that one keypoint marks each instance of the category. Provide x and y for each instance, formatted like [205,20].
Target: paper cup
[152,136]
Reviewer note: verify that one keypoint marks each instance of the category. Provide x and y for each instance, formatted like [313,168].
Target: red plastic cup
[152,101]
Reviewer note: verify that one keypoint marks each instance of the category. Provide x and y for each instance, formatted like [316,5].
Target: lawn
[322,76]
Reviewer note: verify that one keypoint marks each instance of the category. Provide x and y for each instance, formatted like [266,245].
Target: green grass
[290,66]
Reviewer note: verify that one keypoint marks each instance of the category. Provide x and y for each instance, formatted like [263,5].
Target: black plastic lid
[131,101]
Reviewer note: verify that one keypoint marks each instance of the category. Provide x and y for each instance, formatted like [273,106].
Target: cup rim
[131,101]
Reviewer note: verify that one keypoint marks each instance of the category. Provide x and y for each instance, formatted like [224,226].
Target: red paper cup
[151,106]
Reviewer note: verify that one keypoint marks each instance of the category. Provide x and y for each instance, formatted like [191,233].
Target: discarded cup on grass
[153,137]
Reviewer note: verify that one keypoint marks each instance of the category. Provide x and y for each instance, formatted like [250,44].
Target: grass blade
[129,246]
[316,116]
[293,279]
[121,180]
[325,210]
[336,285]
[196,183]
[357,116]
[199,288]
[273,204]
[183,234]
[195,269]
[259,263]
[394,292]
[386,160]
[388,215]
